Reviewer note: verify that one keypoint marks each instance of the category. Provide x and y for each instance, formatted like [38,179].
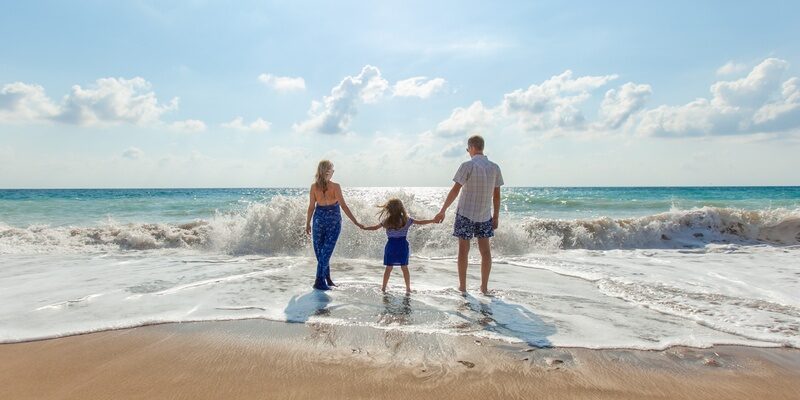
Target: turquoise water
[644,268]
[87,207]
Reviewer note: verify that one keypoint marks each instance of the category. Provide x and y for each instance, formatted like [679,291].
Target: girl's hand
[308,229]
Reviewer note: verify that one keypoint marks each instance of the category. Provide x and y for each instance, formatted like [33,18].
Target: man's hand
[439,218]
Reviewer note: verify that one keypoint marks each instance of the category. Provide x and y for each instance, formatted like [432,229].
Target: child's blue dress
[396,250]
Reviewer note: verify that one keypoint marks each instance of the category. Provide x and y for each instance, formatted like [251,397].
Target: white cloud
[21,102]
[619,104]
[752,90]
[114,100]
[133,153]
[259,125]
[553,103]
[418,87]
[758,103]
[108,101]
[550,106]
[333,114]
[694,118]
[283,83]
[189,125]
[784,113]
[465,121]
[731,68]
[454,150]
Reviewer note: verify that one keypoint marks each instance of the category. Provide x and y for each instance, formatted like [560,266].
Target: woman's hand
[360,225]
[308,229]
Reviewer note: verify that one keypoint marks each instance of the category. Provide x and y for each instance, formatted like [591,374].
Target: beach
[619,293]
[262,359]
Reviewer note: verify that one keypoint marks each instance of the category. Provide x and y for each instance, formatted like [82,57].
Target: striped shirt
[399,233]
[478,178]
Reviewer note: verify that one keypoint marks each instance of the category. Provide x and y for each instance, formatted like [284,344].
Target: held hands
[439,217]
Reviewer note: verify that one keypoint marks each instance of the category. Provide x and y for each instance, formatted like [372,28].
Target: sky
[125,94]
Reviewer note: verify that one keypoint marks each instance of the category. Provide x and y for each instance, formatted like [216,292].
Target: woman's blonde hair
[393,215]
[322,169]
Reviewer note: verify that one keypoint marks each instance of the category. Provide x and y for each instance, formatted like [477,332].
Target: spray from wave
[276,227]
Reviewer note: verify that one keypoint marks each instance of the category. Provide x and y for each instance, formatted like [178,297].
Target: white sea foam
[276,228]
[695,277]
[648,299]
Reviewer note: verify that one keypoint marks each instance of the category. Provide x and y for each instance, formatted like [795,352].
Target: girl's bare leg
[406,277]
[386,275]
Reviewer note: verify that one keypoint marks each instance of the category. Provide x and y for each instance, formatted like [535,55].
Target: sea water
[590,267]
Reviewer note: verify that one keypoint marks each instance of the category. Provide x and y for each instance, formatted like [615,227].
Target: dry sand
[260,359]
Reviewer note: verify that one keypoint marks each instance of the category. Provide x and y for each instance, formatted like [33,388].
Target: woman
[325,198]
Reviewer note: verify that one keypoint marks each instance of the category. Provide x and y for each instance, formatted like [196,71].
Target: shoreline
[390,328]
[261,358]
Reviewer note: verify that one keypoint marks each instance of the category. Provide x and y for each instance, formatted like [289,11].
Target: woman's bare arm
[344,206]
[311,202]
[424,221]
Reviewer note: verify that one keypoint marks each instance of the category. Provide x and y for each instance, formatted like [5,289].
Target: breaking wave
[277,227]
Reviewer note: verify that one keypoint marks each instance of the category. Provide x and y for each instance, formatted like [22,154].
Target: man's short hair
[476,142]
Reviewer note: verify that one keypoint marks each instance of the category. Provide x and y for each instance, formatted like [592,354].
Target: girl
[325,198]
[396,221]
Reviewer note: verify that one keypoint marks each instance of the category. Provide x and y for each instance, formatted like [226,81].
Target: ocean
[639,268]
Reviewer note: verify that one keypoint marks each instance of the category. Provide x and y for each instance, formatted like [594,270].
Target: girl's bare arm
[371,228]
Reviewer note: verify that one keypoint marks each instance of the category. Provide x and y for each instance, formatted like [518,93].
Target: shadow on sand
[301,308]
[396,310]
[507,319]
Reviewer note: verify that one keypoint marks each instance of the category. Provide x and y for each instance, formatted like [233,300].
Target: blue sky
[211,94]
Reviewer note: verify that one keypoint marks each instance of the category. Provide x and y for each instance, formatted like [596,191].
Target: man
[478,210]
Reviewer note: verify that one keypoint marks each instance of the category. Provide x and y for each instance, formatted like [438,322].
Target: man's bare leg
[485,247]
[463,260]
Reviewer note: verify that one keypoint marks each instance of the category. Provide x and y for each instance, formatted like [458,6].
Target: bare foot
[383,289]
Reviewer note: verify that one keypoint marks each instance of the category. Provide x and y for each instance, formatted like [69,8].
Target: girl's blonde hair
[393,215]
[322,169]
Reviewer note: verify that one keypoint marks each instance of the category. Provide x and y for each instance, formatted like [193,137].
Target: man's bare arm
[448,201]
[496,208]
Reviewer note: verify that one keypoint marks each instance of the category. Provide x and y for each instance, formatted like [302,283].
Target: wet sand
[262,359]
